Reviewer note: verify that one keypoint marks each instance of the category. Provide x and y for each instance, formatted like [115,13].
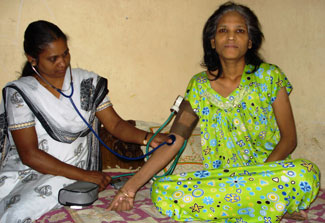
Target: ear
[250,44]
[31,60]
[213,43]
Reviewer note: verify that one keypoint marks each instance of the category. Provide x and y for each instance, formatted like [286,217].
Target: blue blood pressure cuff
[185,121]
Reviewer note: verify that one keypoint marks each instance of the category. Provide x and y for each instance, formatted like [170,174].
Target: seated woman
[48,146]
[247,135]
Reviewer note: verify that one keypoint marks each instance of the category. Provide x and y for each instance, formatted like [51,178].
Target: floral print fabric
[238,133]
[259,193]
[241,129]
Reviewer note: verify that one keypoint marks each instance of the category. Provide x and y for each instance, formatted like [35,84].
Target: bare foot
[299,216]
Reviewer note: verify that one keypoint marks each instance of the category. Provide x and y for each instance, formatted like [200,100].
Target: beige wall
[149,49]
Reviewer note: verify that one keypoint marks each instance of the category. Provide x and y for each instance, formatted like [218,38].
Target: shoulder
[83,73]
[271,79]
[196,85]
[28,83]
[199,78]
[81,76]
[268,71]
[202,74]
[268,66]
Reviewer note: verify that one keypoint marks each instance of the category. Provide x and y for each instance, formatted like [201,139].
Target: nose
[62,62]
[231,36]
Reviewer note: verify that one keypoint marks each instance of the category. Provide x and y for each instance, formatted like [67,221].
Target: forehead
[232,18]
[57,47]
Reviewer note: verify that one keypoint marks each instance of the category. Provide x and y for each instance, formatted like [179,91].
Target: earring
[213,44]
[250,44]
[33,63]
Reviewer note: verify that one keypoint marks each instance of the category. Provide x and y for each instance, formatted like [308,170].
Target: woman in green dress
[247,135]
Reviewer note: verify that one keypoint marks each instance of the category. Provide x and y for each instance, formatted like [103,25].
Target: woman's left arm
[285,120]
[124,130]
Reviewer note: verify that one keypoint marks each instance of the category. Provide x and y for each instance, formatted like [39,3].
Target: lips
[231,46]
[61,71]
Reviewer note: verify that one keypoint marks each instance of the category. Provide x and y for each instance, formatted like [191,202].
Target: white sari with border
[26,194]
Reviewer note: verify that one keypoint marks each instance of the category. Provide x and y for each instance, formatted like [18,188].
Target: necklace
[51,85]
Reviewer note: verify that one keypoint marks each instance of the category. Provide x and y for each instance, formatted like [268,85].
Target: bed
[144,210]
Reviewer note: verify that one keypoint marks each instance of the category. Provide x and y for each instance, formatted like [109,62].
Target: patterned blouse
[241,129]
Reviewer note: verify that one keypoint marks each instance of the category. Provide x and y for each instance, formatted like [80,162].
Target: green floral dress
[238,133]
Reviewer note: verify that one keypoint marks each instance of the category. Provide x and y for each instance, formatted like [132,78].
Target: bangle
[145,139]
[125,194]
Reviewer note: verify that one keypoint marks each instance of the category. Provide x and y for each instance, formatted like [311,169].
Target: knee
[308,165]
[309,171]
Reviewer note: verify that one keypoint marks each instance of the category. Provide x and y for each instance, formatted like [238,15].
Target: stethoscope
[55,88]
[146,155]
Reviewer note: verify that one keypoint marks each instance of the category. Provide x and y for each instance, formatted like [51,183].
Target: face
[54,60]
[231,41]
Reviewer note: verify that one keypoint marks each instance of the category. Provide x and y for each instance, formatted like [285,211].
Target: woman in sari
[45,144]
[247,135]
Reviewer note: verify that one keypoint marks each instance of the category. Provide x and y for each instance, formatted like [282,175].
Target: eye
[240,30]
[66,53]
[52,59]
[222,30]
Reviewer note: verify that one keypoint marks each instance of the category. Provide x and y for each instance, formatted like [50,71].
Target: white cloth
[26,194]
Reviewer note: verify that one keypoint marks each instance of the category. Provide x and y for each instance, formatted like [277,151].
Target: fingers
[106,179]
[112,205]
[159,138]
[121,203]
[116,205]
[163,137]
[102,187]
[128,204]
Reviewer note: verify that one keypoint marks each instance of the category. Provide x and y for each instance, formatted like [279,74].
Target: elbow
[173,149]
[178,143]
[26,159]
[289,140]
[292,144]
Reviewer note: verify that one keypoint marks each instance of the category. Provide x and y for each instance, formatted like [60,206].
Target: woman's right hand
[99,178]
[123,201]
[160,158]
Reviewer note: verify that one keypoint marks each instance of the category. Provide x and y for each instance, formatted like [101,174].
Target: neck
[232,69]
[54,83]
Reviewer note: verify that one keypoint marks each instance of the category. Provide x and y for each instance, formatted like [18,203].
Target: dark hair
[37,36]
[211,58]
